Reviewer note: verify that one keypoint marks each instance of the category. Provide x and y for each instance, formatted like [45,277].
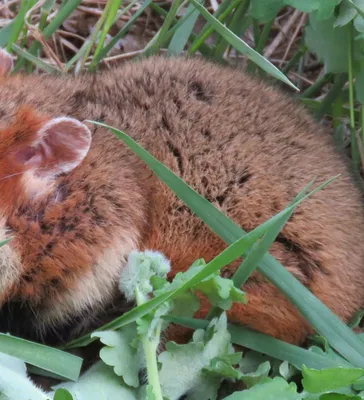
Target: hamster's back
[244,146]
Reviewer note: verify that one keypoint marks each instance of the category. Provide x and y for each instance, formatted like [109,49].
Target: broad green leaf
[275,389]
[98,383]
[190,360]
[326,9]
[265,10]
[346,14]
[315,381]
[225,369]
[265,344]
[120,354]
[329,43]
[339,396]
[305,6]
[59,362]
[14,383]
[241,46]
[62,394]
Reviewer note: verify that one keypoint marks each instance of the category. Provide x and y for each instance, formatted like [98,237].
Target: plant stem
[150,347]
[354,144]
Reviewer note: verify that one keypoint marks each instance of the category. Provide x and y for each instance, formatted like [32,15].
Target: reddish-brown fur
[243,145]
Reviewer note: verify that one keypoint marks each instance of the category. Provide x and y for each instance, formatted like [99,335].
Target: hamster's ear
[6,62]
[61,145]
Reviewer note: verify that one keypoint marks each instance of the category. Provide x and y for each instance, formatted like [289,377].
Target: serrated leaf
[190,360]
[317,381]
[275,389]
[265,10]
[120,354]
[326,9]
[346,14]
[98,383]
[221,292]
[329,43]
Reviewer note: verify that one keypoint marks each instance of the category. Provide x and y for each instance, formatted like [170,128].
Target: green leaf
[120,354]
[5,33]
[190,360]
[275,389]
[241,46]
[261,343]
[265,10]
[315,381]
[221,292]
[59,362]
[326,9]
[14,383]
[305,6]
[105,50]
[4,242]
[346,14]
[98,383]
[62,394]
[329,43]
[225,369]
[183,33]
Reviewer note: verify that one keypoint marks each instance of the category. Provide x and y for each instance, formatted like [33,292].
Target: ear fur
[6,63]
[61,144]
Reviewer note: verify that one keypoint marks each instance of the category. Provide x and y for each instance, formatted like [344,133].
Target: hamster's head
[35,149]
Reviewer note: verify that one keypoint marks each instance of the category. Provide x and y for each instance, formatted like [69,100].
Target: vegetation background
[316,46]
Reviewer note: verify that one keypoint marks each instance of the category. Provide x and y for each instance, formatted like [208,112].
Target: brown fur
[244,146]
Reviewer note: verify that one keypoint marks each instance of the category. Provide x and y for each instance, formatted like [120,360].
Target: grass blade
[259,249]
[183,33]
[265,344]
[4,242]
[323,320]
[155,44]
[241,46]
[97,58]
[5,33]
[35,60]
[56,361]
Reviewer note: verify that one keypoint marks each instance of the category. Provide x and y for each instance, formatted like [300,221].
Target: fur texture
[243,145]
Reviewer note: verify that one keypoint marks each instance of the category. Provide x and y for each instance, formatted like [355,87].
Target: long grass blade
[56,361]
[324,321]
[241,46]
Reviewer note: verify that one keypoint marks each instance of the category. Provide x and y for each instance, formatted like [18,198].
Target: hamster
[76,200]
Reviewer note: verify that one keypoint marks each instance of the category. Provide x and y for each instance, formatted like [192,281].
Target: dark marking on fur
[199,92]
[177,154]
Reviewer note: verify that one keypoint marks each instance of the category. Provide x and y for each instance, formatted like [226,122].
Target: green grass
[336,94]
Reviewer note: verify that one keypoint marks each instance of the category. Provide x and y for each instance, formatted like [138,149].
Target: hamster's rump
[241,144]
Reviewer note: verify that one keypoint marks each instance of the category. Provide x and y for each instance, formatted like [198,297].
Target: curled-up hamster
[76,200]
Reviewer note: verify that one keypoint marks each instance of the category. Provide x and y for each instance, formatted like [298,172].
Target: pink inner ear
[30,157]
